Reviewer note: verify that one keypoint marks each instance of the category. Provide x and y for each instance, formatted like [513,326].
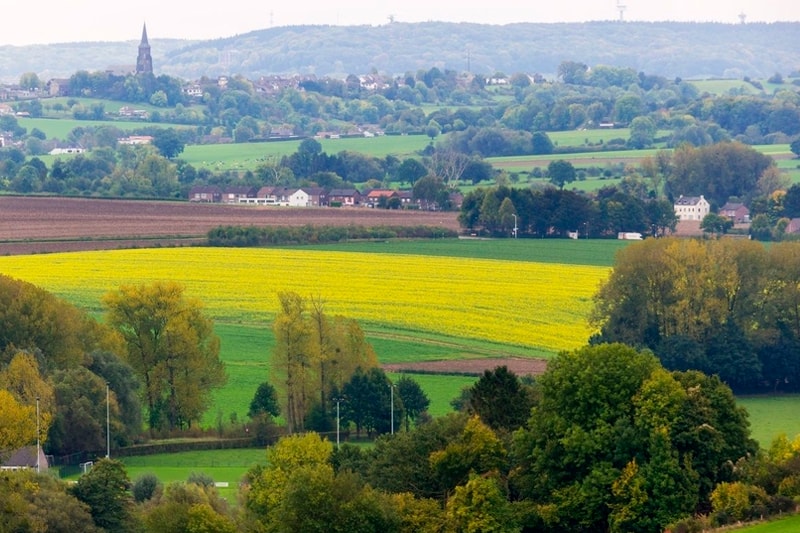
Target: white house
[691,207]
[299,198]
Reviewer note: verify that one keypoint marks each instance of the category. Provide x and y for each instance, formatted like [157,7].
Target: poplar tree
[172,347]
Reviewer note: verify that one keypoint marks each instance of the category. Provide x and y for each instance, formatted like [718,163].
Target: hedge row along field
[539,306]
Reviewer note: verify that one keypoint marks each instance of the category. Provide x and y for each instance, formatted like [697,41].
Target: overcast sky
[51,21]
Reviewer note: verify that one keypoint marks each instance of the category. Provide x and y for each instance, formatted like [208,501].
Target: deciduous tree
[172,347]
[105,489]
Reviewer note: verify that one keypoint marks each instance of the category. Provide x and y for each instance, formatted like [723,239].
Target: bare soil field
[39,224]
[518,365]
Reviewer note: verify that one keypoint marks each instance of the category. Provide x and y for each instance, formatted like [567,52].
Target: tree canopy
[171,346]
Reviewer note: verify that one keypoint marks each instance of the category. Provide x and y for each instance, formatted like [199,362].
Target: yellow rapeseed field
[536,305]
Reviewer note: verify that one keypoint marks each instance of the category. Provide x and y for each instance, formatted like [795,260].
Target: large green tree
[501,400]
[105,489]
[616,442]
[561,172]
[171,345]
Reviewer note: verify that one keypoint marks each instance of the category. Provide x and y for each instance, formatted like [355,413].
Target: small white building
[691,208]
[61,151]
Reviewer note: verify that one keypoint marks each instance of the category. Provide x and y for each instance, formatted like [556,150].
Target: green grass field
[60,128]
[771,416]
[723,87]
[563,251]
[223,466]
[790,524]
[247,156]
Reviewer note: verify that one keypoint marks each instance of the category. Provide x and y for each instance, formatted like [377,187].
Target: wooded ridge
[670,49]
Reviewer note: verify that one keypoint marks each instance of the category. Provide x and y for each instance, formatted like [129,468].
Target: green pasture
[594,252]
[110,106]
[246,352]
[723,87]
[771,416]
[247,156]
[61,128]
[587,137]
[789,524]
[440,389]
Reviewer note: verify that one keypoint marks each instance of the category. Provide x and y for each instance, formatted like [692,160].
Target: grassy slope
[246,348]
[583,252]
[789,524]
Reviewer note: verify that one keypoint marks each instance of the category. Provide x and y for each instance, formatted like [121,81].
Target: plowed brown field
[36,224]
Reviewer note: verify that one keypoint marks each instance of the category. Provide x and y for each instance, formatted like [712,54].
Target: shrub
[145,487]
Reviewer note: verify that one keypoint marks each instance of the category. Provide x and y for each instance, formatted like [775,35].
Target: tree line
[726,307]
[606,440]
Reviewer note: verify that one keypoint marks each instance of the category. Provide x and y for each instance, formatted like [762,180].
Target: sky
[56,21]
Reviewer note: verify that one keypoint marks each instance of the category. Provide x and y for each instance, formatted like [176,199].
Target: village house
[283,196]
[793,227]
[58,86]
[234,194]
[691,208]
[317,196]
[376,196]
[737,212]
[344,197]
[205,194]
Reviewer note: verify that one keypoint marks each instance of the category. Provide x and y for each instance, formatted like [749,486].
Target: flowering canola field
[536,305]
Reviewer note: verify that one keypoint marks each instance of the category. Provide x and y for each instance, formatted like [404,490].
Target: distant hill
[671,49]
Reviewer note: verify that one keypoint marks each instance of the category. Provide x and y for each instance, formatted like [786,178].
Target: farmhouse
[691,207]
[735,211]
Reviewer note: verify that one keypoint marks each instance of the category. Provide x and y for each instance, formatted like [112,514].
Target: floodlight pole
[38,443]
[108,426]
[337,422]
[391,389]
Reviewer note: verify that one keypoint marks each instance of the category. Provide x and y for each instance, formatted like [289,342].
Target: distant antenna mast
[742,17]
[621,8]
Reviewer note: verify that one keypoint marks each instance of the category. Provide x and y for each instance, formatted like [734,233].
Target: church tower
[144,63]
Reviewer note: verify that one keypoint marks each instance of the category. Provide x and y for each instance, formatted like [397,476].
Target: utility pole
[391,389]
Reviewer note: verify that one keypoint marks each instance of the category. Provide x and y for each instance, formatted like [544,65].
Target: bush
[200,478]
[145,487]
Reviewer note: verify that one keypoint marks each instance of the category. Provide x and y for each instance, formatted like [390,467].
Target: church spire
[144,62]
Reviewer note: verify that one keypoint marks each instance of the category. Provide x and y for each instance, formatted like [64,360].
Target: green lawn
[61,128]
[593,252]
[772,415]
[723,87]
[223,466]
[790,524]
[247,156]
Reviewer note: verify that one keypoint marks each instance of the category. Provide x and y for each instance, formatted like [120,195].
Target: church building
[144,63]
